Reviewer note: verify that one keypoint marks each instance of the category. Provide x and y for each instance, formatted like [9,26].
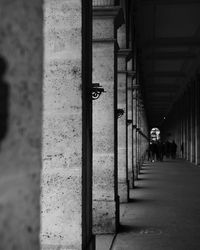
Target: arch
[155,134]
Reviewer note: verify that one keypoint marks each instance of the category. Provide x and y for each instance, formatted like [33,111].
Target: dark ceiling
[168,41]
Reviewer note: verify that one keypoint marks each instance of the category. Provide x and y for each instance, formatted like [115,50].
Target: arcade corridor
[164,210]
[90,90]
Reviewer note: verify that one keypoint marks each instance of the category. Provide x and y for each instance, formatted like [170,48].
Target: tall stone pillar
[197,120]
[123,184]
[134,105]
[21,58]
[131,74]
[188,125]
[66,200]
[185,126]
[105,193]
[192,149]
[137,134]
[193,122]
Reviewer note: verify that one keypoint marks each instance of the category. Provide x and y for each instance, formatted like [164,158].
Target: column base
[137,169]
[92,243]
[123,190]
[105,215]
[131,180]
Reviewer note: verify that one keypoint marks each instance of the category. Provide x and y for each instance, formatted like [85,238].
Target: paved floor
[164,213]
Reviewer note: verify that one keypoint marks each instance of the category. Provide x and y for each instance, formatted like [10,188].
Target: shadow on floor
[140,200]
[129,228]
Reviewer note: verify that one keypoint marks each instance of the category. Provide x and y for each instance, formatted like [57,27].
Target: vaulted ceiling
[168,42]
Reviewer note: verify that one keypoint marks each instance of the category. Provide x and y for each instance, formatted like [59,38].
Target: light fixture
[120,113]
[129,121]
[97,89]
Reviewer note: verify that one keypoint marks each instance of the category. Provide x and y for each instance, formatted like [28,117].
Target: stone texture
[62,191]
[103,139]
[103,28]
[105,218]
[130,131]
[123,189]
[20,151]
[134,131]
[105,204]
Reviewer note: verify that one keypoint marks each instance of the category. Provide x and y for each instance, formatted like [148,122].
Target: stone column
[123,184]
[21,56]
[131,74]
[197,120]
[137,134]
[134,105]
[191,123]
[105,193]
[67,140]
[188,124]
[185,125]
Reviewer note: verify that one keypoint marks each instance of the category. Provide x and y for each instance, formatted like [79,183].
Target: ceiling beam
[171,56]
[165,74]
[169,2]
[173,42]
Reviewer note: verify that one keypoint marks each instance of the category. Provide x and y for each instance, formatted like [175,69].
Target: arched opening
[155,134]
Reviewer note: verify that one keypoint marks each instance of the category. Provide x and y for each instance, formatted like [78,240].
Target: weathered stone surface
[61,199]
[103,138]
[104,162]
[20,151]
[130,131]
[103,28]
[134,130]
[122,162]
[123,191]
[104,216]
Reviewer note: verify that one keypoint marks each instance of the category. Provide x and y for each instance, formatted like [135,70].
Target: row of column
[183,123]
[119,126]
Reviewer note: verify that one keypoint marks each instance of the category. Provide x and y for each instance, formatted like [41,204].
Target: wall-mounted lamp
[97,90]
[129,122]
[120,113]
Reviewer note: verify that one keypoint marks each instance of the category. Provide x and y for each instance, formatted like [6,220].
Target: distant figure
[173,150]
[4,95]
[160,150]
[153,151]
